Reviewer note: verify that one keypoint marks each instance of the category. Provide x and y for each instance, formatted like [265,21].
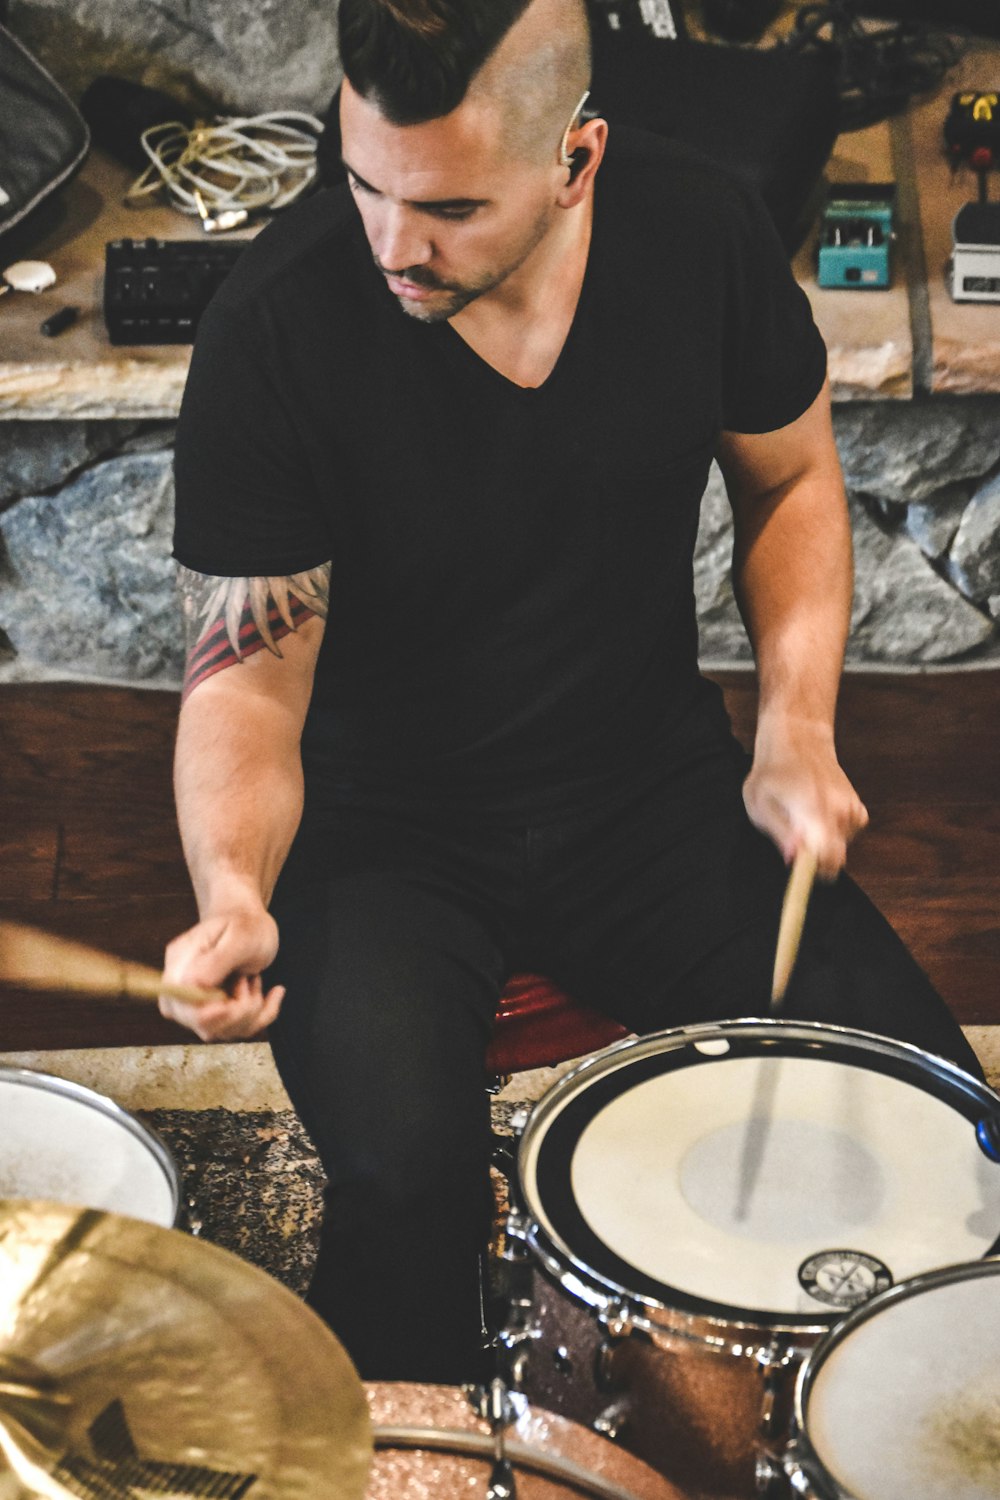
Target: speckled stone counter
[251,1183]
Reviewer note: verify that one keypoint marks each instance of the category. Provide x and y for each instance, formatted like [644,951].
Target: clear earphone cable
[253,162]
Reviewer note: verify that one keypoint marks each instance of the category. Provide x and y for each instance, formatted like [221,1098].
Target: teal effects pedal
[856,233]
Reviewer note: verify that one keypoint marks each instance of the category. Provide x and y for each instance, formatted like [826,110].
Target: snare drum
[431,1445]
[727,1193]
[903,1397]
[67,1144]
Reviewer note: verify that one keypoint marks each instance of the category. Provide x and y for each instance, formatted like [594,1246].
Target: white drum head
[67,1144]
[785,1180]
[907,1402]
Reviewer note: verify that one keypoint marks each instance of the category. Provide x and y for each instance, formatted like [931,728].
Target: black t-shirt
[512,614]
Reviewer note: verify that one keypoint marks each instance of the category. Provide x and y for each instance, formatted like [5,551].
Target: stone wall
[86,580]
[924,483]
[85,577]
[227,56]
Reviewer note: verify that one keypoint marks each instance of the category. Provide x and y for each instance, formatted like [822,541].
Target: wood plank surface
[89,846]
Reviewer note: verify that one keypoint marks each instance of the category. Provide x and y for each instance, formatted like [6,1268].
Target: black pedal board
[156,290]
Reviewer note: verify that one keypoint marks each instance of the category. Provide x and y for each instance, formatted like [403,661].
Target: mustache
[416,275]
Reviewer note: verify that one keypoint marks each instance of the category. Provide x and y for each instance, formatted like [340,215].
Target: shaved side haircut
[415,60]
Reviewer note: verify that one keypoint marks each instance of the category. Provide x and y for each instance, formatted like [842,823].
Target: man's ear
[587,142]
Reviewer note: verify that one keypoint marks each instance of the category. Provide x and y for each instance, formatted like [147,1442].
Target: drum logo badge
[843,1278]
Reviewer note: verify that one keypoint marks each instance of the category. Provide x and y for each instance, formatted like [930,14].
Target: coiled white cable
[233,164]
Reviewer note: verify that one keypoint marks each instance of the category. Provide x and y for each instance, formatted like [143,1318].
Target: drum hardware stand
[497,1405]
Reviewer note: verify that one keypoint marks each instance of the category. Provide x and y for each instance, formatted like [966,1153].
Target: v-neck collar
[462,351]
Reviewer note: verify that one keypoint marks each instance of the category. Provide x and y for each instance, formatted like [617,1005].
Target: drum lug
[604,1374]
[796,1476]
[618,1319]
[613,1420]
[517,1335]
[520,1330]
[517,1366]
[775,1357]
[774,1361]
[771,1480]
[496,1403]
[516,1236]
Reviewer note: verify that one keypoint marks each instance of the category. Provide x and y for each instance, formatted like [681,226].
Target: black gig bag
[43,137]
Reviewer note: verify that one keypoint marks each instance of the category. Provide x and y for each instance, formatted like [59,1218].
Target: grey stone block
[721,634]
[904,612]
[905,451]
[87,583]
[933,523]
[975,554]
[37,456]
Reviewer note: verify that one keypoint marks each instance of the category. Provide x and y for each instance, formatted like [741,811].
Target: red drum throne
[538,1025]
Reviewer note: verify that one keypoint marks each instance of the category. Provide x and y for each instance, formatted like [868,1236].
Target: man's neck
[521,326]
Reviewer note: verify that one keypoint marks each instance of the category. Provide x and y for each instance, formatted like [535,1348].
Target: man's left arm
[793,578]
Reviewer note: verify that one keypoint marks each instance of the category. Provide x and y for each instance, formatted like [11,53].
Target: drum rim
[699,1319]
[801,1456]
[82,1094]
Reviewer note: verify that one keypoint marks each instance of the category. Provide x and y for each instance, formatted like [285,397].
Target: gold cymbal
[137,1361]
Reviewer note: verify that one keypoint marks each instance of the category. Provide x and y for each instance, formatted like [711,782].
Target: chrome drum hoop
[749,1334]
[90,1098]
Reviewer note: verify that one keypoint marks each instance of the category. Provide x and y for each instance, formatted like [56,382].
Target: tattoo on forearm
[228,619]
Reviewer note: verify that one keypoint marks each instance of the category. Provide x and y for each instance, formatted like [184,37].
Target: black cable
[879,70]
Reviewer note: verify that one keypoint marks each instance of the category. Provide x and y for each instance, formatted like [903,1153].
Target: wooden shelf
[79,375]
[964,337]
[867,333]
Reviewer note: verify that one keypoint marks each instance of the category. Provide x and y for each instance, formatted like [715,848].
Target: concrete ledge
[242,1076]
[237,1076]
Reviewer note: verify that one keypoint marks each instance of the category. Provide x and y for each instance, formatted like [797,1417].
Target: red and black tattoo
[228,619]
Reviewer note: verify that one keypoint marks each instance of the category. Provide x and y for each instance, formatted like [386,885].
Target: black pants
[398,931]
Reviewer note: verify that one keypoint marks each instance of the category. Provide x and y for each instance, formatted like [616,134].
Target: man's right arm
[252,650]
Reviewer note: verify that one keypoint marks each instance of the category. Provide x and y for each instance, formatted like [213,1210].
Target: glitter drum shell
[405,1473]
[688,1196]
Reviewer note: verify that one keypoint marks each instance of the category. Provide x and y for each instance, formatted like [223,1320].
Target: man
[438,475]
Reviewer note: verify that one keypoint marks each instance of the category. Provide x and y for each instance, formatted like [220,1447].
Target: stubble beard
[451,298]
[455,295]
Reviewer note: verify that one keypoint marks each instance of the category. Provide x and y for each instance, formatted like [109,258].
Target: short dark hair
[416,58]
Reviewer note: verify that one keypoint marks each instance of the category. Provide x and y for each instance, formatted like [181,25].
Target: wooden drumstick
[793,915]
[31,959]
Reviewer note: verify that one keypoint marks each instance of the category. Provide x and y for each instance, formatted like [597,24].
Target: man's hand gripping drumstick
[227,951]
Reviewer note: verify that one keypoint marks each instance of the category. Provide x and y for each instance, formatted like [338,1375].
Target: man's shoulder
[317,234]
[658,175]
